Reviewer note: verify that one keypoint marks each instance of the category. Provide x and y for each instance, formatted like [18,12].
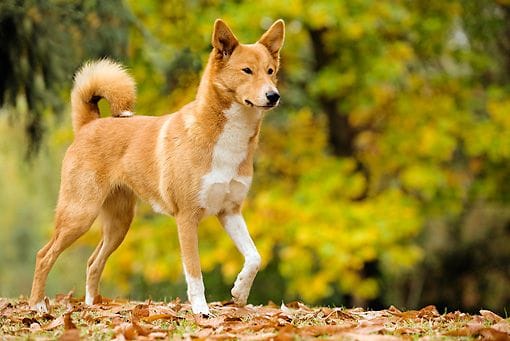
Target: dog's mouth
[268,106]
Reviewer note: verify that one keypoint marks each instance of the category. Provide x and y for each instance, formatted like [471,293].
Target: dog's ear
[274,37]
[223,40]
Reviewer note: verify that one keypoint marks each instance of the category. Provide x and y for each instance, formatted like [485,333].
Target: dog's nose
[272,97]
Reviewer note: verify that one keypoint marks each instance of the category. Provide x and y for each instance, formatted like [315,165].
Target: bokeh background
[383,177]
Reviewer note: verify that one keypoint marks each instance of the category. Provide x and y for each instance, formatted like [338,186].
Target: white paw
[200,308]
[42,306]
[240,294]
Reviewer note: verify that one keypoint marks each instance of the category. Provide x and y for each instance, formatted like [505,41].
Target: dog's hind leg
[72,219]
[236,228]
[116,214]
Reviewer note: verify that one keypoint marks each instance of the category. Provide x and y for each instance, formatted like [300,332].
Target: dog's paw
[200,308]
[43,306]
[239,296]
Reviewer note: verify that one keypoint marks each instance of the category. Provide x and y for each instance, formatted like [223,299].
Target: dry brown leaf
[502,326]
[54,324]
[155,317]
[394,310]
[203,333]
[376,337]
[175,305]
[490,316]
[297,305]
[492,334]
[207,322]
[140,311]
[158,335]
[70,335]
[286,333]
[286,310]
[68,321]
[127,330]
[325,330]
[428,312]
[65,298]
[339,314]
[141,329]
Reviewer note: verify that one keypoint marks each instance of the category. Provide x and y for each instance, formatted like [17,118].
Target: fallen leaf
[127,330]
[502,326]
[140,311]
[158,335]
[140,329]
[54,324]
[68,321]
[490,316]
[214,322]
[325,330]
[285,309]
[70,335]
[493,334]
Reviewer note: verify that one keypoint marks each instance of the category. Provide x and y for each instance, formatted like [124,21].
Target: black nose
[272,97]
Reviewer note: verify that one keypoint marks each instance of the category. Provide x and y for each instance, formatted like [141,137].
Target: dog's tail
[101,79]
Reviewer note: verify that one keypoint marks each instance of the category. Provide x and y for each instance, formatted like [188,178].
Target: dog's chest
[222,188]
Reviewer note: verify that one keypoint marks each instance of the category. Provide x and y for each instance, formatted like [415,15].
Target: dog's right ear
[223,40]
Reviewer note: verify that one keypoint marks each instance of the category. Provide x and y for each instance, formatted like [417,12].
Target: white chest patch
[222,187]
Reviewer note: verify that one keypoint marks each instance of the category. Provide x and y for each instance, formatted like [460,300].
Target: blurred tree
[43,42]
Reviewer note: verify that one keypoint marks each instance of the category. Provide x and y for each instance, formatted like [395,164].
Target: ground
[70,319]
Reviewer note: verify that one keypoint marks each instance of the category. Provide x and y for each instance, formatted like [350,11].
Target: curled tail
[101,79]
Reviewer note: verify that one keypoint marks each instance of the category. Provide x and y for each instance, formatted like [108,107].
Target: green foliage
[42,43]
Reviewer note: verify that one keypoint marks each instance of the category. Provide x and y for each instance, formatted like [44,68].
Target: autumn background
[383,177]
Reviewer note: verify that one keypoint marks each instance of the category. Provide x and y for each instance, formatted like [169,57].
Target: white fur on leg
[89,298]
[196,294]
[236,228]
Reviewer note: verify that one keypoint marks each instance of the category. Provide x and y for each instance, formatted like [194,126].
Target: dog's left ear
[223,40]
[274,37]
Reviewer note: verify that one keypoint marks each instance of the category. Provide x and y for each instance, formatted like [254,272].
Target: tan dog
[193,163]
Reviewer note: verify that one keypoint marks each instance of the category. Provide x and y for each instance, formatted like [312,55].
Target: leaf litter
[70,319]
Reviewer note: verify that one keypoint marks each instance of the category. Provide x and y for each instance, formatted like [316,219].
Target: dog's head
[248,72]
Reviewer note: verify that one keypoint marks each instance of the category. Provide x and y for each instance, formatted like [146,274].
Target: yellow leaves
[425,178]
[353,29]
[367,288]
[498,111]
[323,14]
[331,83]
[400,258]
[435,143]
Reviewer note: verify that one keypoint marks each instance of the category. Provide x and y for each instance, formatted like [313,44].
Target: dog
[193,163]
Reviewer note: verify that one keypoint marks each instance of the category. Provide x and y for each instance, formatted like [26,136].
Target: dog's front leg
[235,226]
[187,225]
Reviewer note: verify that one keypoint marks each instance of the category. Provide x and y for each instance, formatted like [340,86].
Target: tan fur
[103,79]
[162,160]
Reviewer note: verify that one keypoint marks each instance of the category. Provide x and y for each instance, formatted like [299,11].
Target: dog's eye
[270,71]
[247,70]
